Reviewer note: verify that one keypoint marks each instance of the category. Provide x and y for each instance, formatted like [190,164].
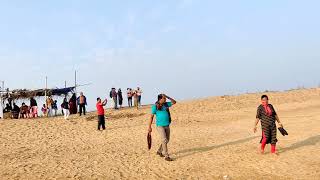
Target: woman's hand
[255,129]
[150,123]
[150,129]
[280,124]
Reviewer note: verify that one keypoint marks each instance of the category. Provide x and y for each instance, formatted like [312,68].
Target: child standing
[44,110]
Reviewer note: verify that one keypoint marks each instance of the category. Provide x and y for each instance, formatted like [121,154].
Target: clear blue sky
[186,48]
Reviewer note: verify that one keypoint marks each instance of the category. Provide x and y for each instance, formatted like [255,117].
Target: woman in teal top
[163,121]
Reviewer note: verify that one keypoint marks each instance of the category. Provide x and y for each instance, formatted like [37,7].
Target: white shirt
[139,92]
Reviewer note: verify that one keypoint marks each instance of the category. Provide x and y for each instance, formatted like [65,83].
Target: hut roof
[25,93]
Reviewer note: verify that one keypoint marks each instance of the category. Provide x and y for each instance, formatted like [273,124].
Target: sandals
[160,154]
[168,159]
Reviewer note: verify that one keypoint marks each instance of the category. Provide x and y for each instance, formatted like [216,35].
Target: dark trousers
[139,100]
[82,108]
[130,101]
[101,122]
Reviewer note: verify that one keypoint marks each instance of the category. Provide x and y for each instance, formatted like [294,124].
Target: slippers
[168,159]
[149,140]
[160,154]
[283,131]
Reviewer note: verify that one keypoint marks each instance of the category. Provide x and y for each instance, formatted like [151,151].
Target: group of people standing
[69,107]
[117,98]
[135,96]
[132,95]
[50,108]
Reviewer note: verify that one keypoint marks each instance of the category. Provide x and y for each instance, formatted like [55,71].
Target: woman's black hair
[160,96]
[159,106]
[98,99]
[264,96]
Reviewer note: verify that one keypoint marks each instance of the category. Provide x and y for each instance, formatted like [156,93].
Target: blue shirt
[162,115]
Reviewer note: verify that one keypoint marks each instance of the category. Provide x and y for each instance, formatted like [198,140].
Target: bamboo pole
[46,87]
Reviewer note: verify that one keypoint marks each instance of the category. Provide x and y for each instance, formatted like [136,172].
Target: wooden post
[1,103]
[75,80]
[75,86]
[46,87]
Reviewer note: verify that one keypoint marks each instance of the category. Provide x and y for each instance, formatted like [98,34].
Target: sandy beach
[211,138]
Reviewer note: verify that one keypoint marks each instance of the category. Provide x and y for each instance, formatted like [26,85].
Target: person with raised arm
[100,111]
[163,120]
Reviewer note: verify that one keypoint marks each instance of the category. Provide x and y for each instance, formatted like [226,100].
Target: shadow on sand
[197,150]
[124,127]
[311,141]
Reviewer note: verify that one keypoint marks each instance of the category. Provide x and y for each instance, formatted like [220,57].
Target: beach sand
[211,138]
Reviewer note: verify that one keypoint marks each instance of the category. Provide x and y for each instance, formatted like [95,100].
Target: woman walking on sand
[65,108]
[268,117]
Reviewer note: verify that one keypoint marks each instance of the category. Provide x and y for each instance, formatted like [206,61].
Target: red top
[267,109]
[100,109]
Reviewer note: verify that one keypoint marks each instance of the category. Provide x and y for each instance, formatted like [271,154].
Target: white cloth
[66,113]
[1,108]
[139,92]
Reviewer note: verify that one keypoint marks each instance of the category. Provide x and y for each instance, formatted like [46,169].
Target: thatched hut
[19,94]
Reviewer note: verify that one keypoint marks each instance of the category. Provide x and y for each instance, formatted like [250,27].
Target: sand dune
[211,138]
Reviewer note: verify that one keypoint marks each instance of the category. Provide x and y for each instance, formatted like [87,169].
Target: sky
[185,48]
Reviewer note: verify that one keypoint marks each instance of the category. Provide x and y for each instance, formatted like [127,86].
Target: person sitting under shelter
[15,111]
[7,109]
[24,111]
[44,110]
